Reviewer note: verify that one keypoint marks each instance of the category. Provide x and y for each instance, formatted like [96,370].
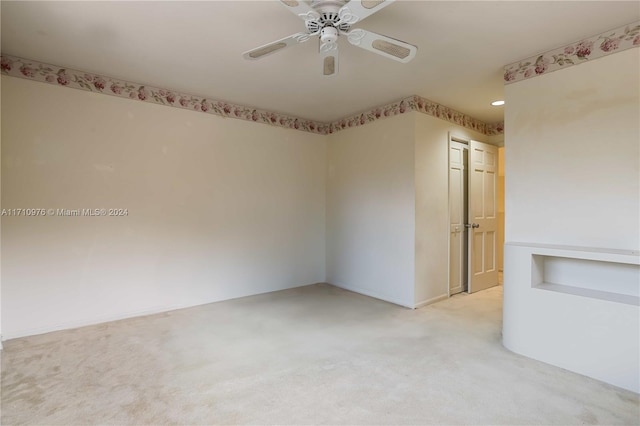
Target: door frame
[465,141]
[452,137]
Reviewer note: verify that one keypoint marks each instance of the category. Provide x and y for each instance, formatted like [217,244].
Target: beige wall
[388,208]
[217,208]
[572,164]
[432,204]
[371,209]
[573,156]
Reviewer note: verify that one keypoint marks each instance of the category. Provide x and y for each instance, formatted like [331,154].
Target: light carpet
[311,355]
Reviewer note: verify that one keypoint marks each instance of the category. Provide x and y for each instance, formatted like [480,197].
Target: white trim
[455,291]
[459,139]
[100,320]
[432,300]
[373,294]
[463,141]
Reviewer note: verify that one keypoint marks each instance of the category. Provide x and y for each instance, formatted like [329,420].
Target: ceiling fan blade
[382,45]
[275,46]
[329,58]
[357,10]
[301,8]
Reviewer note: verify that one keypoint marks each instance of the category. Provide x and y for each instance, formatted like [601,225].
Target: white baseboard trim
[455,290]
[373,294]
[432,300]
[117,317]
[94,321]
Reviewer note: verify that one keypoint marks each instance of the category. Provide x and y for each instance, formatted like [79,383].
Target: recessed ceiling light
[497,103]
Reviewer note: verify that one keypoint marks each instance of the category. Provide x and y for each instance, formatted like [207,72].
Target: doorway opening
[476,215]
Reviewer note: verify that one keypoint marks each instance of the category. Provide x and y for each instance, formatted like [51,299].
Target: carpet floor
[311,355]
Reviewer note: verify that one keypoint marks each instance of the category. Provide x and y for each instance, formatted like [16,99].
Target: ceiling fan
[329,19]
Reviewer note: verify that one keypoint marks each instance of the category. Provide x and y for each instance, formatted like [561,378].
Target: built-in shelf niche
[599,279]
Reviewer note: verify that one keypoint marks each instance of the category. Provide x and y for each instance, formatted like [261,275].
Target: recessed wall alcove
[574,307]
[614,281]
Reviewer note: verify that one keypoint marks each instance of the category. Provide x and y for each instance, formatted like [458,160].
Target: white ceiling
[196,47]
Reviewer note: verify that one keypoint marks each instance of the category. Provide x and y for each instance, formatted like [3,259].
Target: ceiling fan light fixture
[497,103]
[391,49]
[329,35]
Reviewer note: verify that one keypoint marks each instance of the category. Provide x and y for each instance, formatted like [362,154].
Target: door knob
[472,225]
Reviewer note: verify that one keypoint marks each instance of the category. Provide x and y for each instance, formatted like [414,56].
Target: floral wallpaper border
[422,105]
[33,70]
[600,45]
[66,77]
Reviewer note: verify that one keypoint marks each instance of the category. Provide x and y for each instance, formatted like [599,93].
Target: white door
[483,165]
[457,231]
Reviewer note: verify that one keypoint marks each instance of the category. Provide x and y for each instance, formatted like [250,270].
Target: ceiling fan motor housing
[328,16]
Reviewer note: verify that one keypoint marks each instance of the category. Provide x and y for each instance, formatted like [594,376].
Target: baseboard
[455,290]
[132,314]
[430,301]
[373,294]
[94,321]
